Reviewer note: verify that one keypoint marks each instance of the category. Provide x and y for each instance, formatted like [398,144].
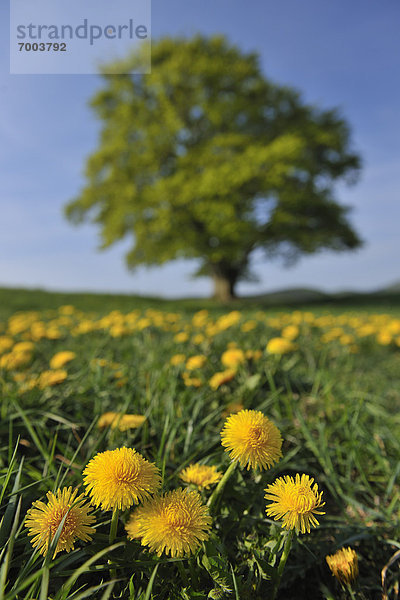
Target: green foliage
[206,158]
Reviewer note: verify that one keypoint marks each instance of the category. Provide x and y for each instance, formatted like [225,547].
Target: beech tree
[207,159]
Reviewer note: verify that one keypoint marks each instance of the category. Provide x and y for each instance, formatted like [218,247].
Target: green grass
[17,299]
[338,413]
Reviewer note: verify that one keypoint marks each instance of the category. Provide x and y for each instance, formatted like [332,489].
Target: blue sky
[343,54]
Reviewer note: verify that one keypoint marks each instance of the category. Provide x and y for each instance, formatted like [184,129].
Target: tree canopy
[206,158]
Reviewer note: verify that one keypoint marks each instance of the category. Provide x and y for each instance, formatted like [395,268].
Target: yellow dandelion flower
[195,362]
[295,501]
[20,377]
[119,478]
[143,323]
[52,333]
[254,354]
[175,523]
[118,330]
[24,347]
[290,332]
[118,374]
[131,422]
[83,327]
[107,419]
[61,358]
[226,321]
[394,326]
[191,381]
[28,384]
[177,359]
[98,362]
[43,520]
[15,360]
[221,377]
[279,345]
[344,565]
[232,358]
[346,339]
[201,475]
[249,325]
[366,330]
[66,309]
[198,338]
[252,439]
[120,420]
[5,343]
[50,378]
[384,338]
[133,525]
[181,337]
[200,318]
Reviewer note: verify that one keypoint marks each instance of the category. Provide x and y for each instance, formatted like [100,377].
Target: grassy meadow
[73,367]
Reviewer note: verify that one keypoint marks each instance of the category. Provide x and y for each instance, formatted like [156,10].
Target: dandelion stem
[182,573]
[192,571]
[220,487]
[282,563]
[111,538]
[114,526]
[351,592]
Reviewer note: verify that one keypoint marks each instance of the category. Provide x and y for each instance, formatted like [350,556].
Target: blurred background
[344,55]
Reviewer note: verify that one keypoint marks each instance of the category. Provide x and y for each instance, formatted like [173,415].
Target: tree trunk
[224,288]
